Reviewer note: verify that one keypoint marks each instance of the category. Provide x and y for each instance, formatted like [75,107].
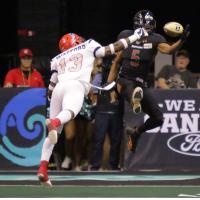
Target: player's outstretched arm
[169,49]
[121,44]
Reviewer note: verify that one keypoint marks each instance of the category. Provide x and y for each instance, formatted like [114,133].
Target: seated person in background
[24,75]
[177,76]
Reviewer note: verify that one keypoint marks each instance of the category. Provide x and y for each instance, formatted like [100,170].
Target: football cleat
[136,99]
[132,138]
[52,132]
[43,180]
[43,174]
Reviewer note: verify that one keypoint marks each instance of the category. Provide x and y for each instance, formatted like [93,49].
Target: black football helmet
[144,19]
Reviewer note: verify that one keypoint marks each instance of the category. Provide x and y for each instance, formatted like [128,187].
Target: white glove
[140,32]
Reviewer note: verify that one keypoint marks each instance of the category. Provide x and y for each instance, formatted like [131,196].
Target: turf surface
[100,191]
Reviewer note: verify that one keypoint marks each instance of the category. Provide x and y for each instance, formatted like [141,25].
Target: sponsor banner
[176,144]
[22,127]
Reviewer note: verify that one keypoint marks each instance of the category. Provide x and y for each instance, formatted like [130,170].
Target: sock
[56,122]
[44,163]
[47,149]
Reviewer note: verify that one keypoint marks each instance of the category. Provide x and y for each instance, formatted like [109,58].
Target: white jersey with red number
[76,63]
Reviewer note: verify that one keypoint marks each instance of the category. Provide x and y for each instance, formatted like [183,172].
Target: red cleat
[43,174]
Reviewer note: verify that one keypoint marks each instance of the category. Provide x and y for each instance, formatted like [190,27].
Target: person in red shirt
[25,75]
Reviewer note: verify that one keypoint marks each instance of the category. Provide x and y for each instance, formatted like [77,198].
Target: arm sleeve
[99,52]
[116,46]
[95,48]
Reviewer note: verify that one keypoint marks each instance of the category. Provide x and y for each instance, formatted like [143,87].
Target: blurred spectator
[71,151]
[25,75]
[108,120]
[78,138]
[96,79]
[177,76]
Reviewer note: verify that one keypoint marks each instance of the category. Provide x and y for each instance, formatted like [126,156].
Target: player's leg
[71,94]
[72,100]
[66,102]
[150,107]
[54,124]
[134,95]
[47,148]
[132,92]
[42,173]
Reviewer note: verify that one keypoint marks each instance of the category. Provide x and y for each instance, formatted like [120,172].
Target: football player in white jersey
[70,82]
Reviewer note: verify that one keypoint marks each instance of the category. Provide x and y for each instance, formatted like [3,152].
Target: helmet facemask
[144,19]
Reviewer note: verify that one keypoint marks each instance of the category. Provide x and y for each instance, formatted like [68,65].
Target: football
[173,29]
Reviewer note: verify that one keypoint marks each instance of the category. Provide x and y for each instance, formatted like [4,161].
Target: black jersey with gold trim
[139,56]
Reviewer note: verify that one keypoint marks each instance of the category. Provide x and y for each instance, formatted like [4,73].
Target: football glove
[140,32]
[186,33]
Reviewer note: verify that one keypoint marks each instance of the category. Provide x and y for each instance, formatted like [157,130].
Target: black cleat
[136,99]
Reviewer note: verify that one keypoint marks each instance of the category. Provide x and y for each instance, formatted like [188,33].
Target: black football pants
[148,103]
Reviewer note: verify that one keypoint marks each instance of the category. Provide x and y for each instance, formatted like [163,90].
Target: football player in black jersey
[132,66]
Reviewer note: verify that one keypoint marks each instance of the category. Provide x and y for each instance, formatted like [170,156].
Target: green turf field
[100,191]
[100,185]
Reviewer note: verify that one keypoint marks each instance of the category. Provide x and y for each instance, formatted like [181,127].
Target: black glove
[186,33]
